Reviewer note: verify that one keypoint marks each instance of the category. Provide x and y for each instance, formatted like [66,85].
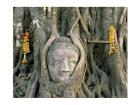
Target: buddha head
[62,58]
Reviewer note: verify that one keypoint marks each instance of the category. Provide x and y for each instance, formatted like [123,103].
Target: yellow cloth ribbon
[25,46]
[112,40]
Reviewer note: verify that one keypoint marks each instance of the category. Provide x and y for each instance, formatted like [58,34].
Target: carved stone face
[62,60]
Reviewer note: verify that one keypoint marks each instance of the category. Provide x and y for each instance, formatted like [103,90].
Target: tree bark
[105,75]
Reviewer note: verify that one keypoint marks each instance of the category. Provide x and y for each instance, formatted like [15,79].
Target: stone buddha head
[62,59]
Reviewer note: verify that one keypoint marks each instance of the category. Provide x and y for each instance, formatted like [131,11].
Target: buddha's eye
[57,62]
[54,62]
[50,62]
[72,64]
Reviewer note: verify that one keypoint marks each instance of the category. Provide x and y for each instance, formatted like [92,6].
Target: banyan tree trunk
[105,74]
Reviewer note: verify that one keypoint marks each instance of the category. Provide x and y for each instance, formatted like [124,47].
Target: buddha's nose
[65,66]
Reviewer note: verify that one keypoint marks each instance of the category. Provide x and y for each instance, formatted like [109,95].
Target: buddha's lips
[65,75]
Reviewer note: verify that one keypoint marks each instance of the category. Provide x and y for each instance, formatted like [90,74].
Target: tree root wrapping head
[66,63]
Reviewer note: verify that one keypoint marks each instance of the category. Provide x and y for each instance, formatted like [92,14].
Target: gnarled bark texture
[97,74]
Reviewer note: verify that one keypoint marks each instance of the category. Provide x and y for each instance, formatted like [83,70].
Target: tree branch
[83,23]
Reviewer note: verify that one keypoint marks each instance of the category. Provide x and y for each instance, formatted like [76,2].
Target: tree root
[86,90]
[44,70]
[83,23]
[32,86]
[19,63]
[80,93]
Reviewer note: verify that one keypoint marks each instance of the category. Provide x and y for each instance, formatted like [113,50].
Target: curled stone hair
[62,43]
